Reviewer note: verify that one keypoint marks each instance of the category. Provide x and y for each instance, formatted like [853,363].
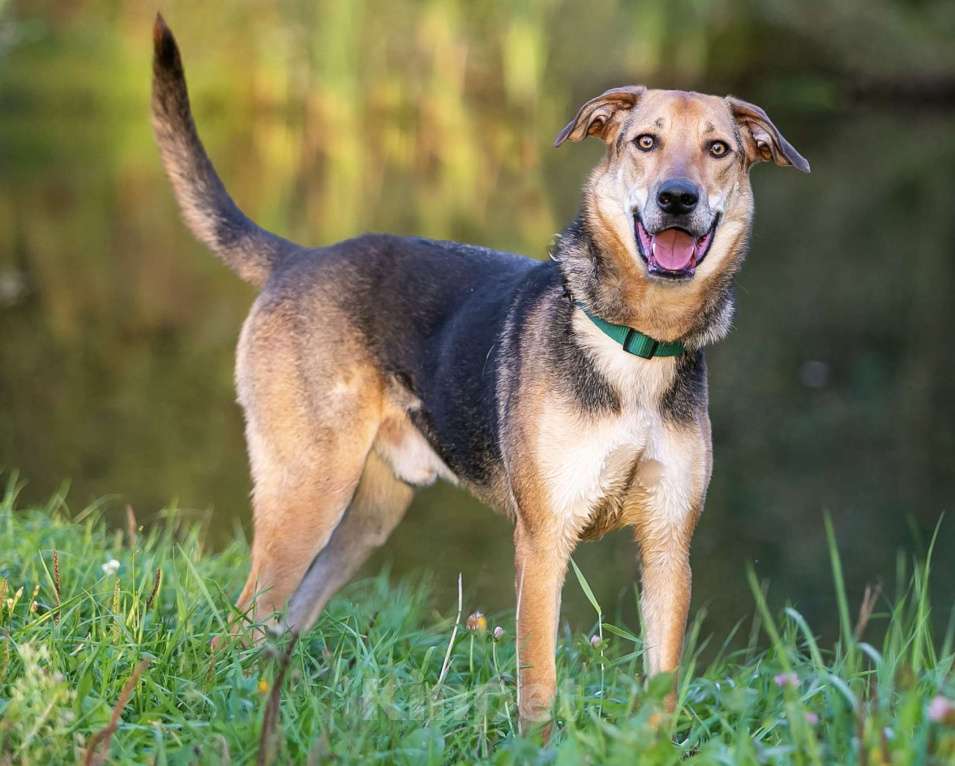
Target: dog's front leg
[672,489]
[665,600]
[541,556]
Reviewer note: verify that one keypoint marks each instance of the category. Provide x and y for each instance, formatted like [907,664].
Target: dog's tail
[249,250]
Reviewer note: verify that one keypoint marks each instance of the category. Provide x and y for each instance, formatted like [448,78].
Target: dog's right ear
[596,117]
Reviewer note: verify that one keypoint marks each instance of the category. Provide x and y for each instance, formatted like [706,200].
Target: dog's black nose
[678,196]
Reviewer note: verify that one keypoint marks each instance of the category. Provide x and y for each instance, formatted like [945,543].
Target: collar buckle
[641,345]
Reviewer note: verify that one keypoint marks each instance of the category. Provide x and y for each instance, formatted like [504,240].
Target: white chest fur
[586,459]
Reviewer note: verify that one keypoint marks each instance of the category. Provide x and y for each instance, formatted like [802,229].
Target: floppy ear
[762,139]
[595,117]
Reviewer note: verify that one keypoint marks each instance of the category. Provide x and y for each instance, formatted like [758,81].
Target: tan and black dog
[569,394]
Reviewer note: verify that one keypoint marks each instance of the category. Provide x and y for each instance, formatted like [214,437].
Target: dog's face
[674,186]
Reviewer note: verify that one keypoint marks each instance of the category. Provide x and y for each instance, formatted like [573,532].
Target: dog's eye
[646,142]
[719,149]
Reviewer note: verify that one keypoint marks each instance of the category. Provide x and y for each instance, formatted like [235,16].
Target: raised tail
[249,250]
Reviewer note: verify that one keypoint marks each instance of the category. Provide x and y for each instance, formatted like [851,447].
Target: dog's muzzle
[673,252]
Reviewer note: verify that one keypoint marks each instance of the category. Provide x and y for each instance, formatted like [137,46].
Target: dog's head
[673,189]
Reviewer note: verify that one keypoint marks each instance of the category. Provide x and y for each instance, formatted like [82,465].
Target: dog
[569,394]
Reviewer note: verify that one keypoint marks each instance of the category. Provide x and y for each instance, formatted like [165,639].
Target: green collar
[633,341]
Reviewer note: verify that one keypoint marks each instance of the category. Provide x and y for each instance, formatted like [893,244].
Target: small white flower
[111,567]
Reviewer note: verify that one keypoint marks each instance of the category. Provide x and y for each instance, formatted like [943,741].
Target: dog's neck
[618,290]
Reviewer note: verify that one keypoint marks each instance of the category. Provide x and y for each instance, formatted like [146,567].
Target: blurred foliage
[436,118]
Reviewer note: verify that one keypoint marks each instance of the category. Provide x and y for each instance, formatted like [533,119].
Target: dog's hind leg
[379,504]
[308,448]
[296,510]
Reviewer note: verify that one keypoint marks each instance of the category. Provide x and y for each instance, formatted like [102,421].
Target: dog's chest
[588,463]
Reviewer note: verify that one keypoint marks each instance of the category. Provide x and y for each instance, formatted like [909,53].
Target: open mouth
[672,253]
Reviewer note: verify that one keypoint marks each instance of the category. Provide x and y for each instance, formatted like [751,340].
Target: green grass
[363,687]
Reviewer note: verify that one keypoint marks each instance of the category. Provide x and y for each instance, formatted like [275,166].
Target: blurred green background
[834,393]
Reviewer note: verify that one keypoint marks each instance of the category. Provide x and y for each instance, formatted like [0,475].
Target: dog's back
[431,315]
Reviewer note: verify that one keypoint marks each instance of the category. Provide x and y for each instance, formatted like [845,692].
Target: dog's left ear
[762,139]
[596,117]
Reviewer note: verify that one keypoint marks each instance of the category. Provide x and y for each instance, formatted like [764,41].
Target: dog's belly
[410,456]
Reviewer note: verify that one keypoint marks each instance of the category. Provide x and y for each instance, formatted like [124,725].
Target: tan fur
[379,504]
[309,428]
[333,450]
[337,442]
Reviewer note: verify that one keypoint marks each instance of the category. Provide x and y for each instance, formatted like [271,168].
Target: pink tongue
[673,249]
